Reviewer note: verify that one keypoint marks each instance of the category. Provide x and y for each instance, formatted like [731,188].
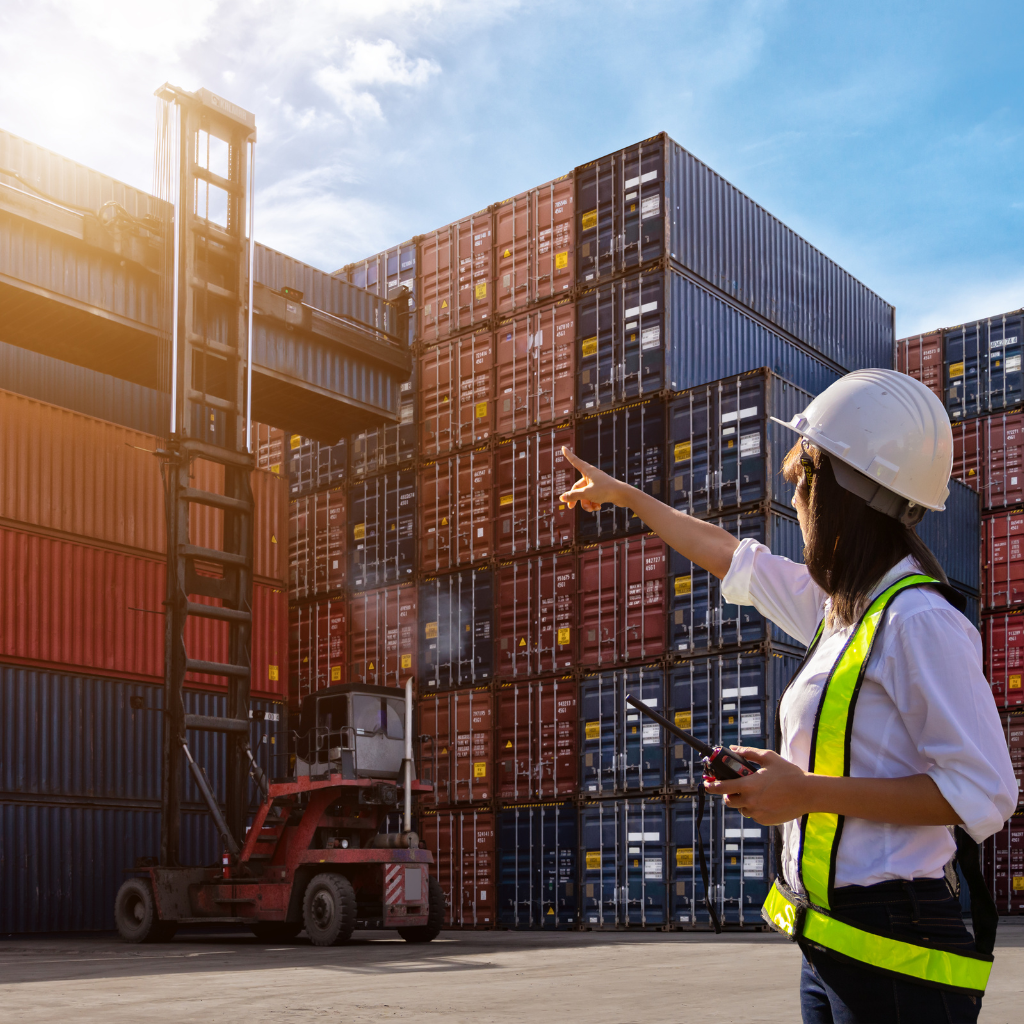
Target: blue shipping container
[983,366]
[537,847]
[456,638]
[382,529]
[954,537]
[383,273]
[313,466]
[375,451]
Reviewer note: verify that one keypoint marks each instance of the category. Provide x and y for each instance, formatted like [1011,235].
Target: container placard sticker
[681,452]
[563,635]
[684,857]
[651,733]
[684,720]
[593,860]
[683,585]
[956,370]
[588,220]
[561,260]
[480,770]
[650,337]
[750,445]
[753,866]
[650,207]
[406,661]
[588,347]
[653,868]
[430,631]
[593,729]
[750,722]
[359,531]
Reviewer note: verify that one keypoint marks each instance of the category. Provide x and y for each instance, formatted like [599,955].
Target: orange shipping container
[457,393]
[456,510]
[383,636]
[455,734]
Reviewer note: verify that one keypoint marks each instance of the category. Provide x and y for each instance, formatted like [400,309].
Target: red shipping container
[456,732]
[1003,635]
[318,635]
[531,473]
[536,616]
[968,453]
[464,849]
[536,360]
[456,277]
[316,544]
[988,456]
[538,739]
[383,636]
[534,257]
[623,598]
[457,395]
[922,358]
[1002,559]
[456,510]
[1002,862]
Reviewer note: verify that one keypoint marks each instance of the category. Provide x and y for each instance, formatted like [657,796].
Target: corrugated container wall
[983,366]
[316,544]
[382,524]
[1003,637]
[456,639]
[383,632]
[457,393]
[385,272]
[921,357]
[1002,559]
[456,502]
[312,466]
[954,537]
[465,851]
[988,456]
[456,746]
[317,644]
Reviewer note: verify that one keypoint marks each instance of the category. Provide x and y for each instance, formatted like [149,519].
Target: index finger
[584,467]
[728,787]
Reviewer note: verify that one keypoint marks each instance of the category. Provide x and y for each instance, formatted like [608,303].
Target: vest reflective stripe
[821,832]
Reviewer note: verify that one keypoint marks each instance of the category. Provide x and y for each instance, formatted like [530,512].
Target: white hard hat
[891,431]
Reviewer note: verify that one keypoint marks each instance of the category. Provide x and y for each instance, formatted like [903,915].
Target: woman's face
[801,502]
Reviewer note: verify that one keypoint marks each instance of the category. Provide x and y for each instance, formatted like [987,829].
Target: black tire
[435,916]
[276,931]
[329,910]
[135,914]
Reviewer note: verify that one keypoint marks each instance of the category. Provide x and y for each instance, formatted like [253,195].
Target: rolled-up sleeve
[781,590]
[933,673]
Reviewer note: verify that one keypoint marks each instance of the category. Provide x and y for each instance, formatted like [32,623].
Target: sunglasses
[806,463]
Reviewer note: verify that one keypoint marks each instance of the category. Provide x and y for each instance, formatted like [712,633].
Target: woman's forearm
[912,800]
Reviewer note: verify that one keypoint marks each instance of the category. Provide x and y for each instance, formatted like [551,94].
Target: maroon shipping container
[316,544]
[465,855]
[533,251]
[456,510]
[1014,726]
[538,739]
[536,360]
[456,277]
[623,599]
[531,472]
[968,453]
[269,446]
[318,635]
[456,732]
[1003,634]
[1002,559]
[382,636]
[988,456]
[922,358]
[457,395]
[535,614]
[1003,864]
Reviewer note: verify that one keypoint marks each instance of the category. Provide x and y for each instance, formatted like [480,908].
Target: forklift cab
[354,730]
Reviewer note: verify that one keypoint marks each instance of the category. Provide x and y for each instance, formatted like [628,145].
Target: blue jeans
[837,991]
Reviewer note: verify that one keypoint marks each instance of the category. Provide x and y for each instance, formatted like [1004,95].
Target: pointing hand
[594,488]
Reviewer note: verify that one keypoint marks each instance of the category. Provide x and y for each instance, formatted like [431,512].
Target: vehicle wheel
[329,910]
[435,916]
[276,931]
[135,914]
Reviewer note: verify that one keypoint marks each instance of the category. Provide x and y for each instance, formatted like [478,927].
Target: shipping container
[456,746]
[988,456]
[628,443]
[621,751]
[724,452]
[382,637]
[318,633]
[316,544]
[1003,866]
[660,330]
[623,602]
[921,357]
[533,252]
[537,739]
[386,272]
[389,446]
[1002,555]
[271,448]
[456,503]
[536,367]
[536,615]
[655,199]
[464,849]
[456,277]
[1013,725]
[700,619]
[457,393]
[456,638]
[954,537]
[530,473]
[537,867]
[623,863]
[382,525]
[1002,634]
[313,466]
[983,366]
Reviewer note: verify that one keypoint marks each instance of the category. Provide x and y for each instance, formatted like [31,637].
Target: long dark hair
[849,546]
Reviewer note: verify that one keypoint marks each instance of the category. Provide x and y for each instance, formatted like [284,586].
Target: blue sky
[889,135]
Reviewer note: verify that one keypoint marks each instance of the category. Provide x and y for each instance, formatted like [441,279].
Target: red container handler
[530,473]
[537,739]
[457,393]
[318,635]
[456,510]
[1003,636]
[456,277]
[1002,559]
[623,600]
[535,615]
[382,636]
[464,849]
[536,367]
[1002,861]
[921,356]
[455,731]
[316,544]
[533,251]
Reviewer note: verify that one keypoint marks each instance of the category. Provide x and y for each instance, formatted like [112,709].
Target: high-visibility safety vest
[807,915]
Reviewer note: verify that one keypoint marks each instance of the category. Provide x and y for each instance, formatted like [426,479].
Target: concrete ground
[473,977]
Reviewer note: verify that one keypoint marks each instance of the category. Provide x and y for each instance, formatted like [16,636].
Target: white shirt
[924,708]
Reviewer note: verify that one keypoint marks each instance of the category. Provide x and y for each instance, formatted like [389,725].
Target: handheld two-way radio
[719,763]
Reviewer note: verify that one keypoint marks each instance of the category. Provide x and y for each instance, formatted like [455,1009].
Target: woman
[888,733]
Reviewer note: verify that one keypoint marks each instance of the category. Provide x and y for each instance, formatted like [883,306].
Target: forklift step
[214,453]
[216,500]
[215,668]
[215,723]
[209,611]
[213,555]
[233,901]
[260,856]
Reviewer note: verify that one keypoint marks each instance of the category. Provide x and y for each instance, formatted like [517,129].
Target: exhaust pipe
[407,763]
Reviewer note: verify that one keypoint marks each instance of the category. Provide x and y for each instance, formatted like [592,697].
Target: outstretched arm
[705,544]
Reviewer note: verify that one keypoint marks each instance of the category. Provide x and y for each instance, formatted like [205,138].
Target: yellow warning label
[295,440]
[684,584]
[733,860]
[335,673]
[273,539]
[563,634]
[593,860]
[444,304]
[551,912]
[589,347]
[589,220]
[561,260]
[444,750]
[480,770]
[359,531]
[956,370]
[406,661]
[481,290]
[684,719]
[272,673]
[431,631]
[1014,682]
[684,857]
[508,745]
[369,667]
[444,520]
[593,730]
[507,499]
[276,469]
[636,863]
[522,641]
[481,410]
[505,255]
[1018,883]
[682,451]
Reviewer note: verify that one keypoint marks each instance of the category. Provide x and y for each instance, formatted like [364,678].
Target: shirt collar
[902,568]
